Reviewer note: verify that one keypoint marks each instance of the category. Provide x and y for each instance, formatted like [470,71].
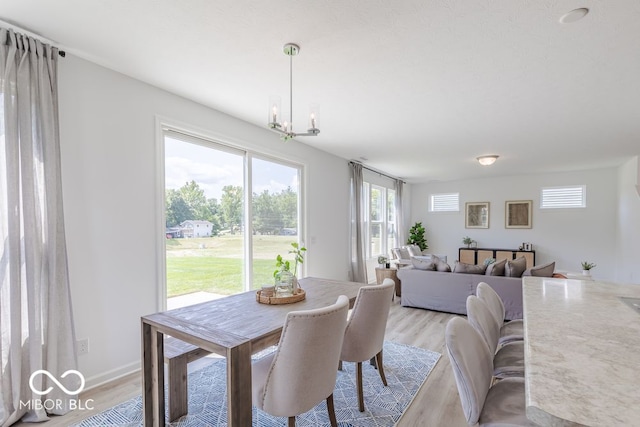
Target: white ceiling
[417,87]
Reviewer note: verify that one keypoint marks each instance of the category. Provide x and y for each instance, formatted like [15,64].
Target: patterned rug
[405,368]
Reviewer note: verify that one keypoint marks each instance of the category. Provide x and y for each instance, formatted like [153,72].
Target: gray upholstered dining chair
[364,335]
[509,331]
[508,361]
[501,404]
[302,371]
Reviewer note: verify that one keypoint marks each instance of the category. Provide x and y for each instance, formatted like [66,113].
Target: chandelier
[277,119]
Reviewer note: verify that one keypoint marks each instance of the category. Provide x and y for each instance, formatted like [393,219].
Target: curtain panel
[358,262]
[36,321]
[400,230]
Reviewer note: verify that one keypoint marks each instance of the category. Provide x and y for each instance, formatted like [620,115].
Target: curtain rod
[377,171]
[16,28]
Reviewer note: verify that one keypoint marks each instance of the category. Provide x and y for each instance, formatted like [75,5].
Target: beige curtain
[401,234]
[36,323]
[358,262]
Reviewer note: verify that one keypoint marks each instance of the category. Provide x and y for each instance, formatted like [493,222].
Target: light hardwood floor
[436,403]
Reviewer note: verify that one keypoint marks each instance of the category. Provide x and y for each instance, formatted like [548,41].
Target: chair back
[492,300]
[305,366]
[472,366]
[364,335]
[483,321]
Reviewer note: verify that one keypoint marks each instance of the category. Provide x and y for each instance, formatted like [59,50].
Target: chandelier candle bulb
[313,118]
[274,109]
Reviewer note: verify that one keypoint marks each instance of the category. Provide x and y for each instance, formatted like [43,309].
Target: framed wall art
[518,213]
[476,215]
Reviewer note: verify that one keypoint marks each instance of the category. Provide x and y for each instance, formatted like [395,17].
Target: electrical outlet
[83,346]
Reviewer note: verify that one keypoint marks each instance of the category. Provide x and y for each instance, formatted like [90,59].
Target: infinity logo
[52,378]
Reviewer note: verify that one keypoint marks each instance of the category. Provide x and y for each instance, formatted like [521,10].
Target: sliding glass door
[211,250]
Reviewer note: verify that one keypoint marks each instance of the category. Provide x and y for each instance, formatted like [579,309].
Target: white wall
[628,231]
[566,236]
[109,172]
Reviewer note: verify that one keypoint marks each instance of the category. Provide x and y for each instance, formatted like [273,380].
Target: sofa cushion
[414,250]
[440,264]
[462,267]
[516,267]
[544,270]
[496,268]
[423,264]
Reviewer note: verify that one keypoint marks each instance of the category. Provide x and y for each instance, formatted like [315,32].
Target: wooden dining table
[235,327]
[582,352]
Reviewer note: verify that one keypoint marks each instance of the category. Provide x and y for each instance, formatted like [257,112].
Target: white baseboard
[111,375]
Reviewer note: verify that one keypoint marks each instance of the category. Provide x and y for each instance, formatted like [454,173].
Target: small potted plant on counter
[586,267]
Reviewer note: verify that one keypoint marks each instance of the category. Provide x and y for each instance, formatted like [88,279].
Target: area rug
[405,368]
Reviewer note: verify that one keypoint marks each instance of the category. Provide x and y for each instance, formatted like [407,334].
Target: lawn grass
[215,264]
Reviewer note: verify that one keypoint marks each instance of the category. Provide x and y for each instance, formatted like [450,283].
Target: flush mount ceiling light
[285,128]
[487,160]
[574,15]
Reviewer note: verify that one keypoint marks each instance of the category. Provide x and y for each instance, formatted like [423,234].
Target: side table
[388,273]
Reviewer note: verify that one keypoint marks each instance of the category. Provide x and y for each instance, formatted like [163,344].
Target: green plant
[587,265]
[468,241]
[416,236]
[285,265]
[382,259]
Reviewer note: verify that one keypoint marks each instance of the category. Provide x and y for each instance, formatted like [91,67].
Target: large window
[380,222]
[211,249]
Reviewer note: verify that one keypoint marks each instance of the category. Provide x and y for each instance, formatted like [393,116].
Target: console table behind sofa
[478,255]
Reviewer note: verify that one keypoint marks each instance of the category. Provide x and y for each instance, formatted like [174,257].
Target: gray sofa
[448,292]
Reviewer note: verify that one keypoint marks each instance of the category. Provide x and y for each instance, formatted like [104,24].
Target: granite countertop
[582,352]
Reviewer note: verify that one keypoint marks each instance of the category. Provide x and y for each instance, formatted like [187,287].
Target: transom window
[444,202]
[564,197]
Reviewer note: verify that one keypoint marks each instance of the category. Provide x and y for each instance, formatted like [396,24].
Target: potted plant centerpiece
[286,281]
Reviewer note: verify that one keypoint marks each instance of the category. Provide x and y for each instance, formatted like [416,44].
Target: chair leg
[359,383]
[292,421]
[340,365]
[380,367]
[331,410]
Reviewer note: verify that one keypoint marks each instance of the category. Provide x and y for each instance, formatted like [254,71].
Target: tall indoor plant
[416,236]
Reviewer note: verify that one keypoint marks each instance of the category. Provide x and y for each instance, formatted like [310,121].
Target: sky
[213,169]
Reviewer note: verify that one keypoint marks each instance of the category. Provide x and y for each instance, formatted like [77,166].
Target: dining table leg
[239,385]
[152,376]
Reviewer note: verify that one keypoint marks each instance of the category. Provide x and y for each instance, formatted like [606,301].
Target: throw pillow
[414,250]
[422,264]
[461,267]
[496,268]
[400,253]
[516,267]
[544,270]
[440,264]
